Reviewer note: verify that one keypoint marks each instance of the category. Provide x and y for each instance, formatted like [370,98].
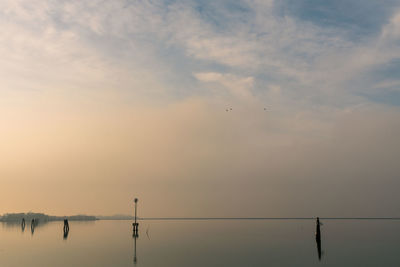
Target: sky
[104,101]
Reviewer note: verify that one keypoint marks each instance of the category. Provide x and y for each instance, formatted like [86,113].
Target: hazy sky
[104,101]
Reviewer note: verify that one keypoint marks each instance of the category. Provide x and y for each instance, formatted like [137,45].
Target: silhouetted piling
[135,224]
[318,237]
[135,234]
[23,224]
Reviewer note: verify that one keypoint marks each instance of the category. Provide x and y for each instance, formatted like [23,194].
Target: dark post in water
[135,224]
[318,238]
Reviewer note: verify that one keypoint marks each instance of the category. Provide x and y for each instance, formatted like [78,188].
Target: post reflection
[135,236]
[65,234]
[23,225]
[318,238]
[66,229]
[34,223]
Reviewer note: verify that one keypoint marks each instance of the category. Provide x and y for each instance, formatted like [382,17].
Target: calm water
[203,243]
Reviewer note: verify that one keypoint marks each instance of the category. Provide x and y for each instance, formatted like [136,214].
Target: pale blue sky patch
[357,18]
[386,97]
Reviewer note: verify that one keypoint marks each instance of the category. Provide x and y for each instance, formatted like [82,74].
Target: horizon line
[263,218]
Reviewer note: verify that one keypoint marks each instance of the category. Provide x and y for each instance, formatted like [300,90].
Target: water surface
[202,243]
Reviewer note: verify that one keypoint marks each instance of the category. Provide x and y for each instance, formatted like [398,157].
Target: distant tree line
[16,217]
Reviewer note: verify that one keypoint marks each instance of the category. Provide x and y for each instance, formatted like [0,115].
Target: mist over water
[203,243]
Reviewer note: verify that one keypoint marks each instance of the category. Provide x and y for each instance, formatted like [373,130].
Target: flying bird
[267,107]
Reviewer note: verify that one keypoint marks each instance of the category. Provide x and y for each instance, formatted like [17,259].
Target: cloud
[112,45]
[239,87]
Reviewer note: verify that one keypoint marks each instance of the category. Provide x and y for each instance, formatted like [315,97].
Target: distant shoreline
[17,217]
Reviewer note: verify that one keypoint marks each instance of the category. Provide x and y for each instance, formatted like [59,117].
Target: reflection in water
[66,225]
[135,236]
[32,227]
[318,238]
[175,243]
[147,233]
[34,223]
[66,229]
[65,235]
[23,224]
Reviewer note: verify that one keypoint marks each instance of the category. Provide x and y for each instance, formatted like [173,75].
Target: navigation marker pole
[135,224]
